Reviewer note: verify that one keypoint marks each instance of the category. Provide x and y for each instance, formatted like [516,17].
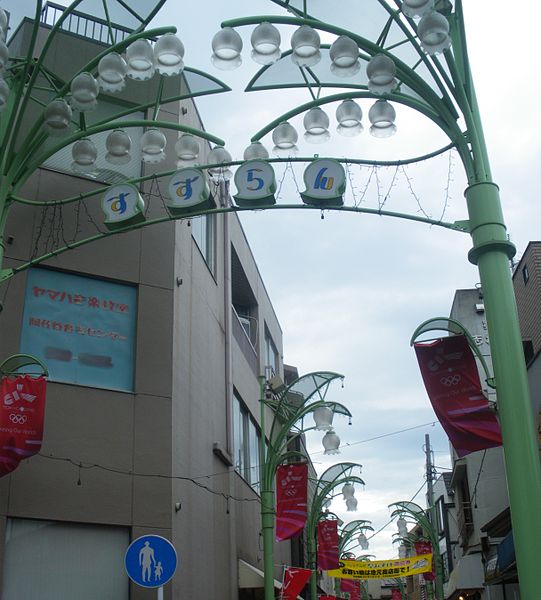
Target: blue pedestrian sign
[150,561]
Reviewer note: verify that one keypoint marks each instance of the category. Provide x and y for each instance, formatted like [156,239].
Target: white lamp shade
[433,31]
[187,147]
[265,39]
[348,490]
[84,92]
[84,153]
[112,70]
[256,150]
[226,49]
[118,144]
[285,136]
[57,117]
[168,55]
[381,72]
[4,55]
[402,526]
[331,443]
[349,114]
[363,542]
[402,552]
[351,504]
[316,121]
[218,156]
[4,94]
[323,416]
[305,43]
[382,116]
[344,52]
[3,23]
[153,144]
[416,8]
[140,60]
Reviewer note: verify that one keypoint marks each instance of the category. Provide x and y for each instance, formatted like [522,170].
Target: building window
[204,234]
[83,329]
[246,442]
[525,274]
[50,560]
[272,361]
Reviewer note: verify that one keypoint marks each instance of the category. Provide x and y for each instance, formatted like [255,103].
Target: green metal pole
[312,563]
[491,252]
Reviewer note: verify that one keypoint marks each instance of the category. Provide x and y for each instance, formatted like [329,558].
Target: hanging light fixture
[118,144]
[218,156]
[351,504]
[348,490]
[4,94]
[265,40]
[402,551]
[84,92]
[331,443]
[316,123]
[402,527]
[187,147]
[323,416]
[4,55]
[153,144]
[3,24]
[344,54]
[256,150]
[305,43]
[285,136]
[57,117]
[140,60]
[363,542]
[168,55]
[349,115]
[381,72]
[416,8]
[382,116]
[226,49]
[84,153]
[433,31]
[112,70]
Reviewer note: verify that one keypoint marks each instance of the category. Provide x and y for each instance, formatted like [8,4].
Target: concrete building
[155,430]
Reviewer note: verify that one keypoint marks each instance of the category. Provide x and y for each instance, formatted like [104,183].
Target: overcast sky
[349,289]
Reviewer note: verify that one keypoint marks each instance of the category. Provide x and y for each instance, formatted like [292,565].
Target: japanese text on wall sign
[79,299]
[78,329]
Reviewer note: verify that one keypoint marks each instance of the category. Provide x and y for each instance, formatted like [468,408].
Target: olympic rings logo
[451,380]
[18,419]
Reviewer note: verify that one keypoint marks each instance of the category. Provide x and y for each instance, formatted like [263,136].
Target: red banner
[294,580]
[21,419]
[396,594]
[291,491]
[452,382]
[327,545]
[425,547]
[351,586]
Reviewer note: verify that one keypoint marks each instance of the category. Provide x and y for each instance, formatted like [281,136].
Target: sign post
[151,561]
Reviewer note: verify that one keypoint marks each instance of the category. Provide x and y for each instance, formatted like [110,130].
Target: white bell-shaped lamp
[402,527]
[348,491]
[57,117]
[168,55]
[305,43]
[140,60]
[285,136]
[153,144]
[84,153]
[118,144]
[416,8]
[316,123]
[4,94]
[218,156]
[344,54]
[351,504]
[323,416]
[349,115]
[265,40]
[3,24]
[331,443]
[112,70]
[256,150]
[226,49]
[187,147]
[402,551]
[84,92]
[363,541]
[433,31]
[381,72]
[4,55]
[382,116]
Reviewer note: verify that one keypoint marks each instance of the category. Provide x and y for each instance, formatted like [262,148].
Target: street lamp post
[422,518]
[290,404]
[348,540]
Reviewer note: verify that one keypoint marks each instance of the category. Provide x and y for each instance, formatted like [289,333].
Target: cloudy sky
[350,289]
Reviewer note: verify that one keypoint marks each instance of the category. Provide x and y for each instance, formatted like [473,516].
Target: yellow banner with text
[382,569]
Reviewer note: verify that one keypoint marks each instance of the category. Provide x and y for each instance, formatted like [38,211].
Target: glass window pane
[254,439]
[203,232]
[238,435]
